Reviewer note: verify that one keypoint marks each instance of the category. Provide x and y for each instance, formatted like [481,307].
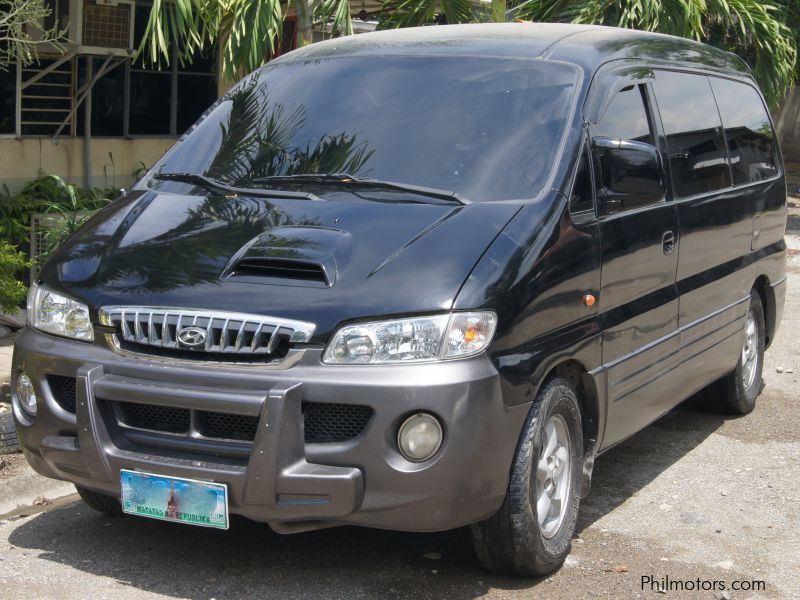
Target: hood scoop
[299,256]
[280,268]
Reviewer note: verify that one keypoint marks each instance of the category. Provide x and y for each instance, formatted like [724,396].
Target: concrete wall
[113,159]
[787,122]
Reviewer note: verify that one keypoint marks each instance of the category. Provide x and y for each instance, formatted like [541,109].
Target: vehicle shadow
[630,466]
[251,561]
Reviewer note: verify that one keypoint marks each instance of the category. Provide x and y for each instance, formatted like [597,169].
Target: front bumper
[278,477]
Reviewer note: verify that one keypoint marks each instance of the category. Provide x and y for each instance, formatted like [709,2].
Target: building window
[150,103]
[168,101]
[138,99]
[8,99]
[108,102]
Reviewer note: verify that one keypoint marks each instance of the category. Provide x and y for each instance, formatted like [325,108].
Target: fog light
[419,437]
[26,396]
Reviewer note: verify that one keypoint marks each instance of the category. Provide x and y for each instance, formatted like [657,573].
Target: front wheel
[531,533]
[8,435]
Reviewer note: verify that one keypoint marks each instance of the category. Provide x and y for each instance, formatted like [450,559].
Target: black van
[415,280]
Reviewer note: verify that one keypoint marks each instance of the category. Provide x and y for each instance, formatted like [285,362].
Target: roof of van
[586,45]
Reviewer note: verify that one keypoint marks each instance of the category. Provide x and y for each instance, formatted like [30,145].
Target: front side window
[626,117]
[627,166]
[486,128]
[751,140]
[581,196]
[695,140]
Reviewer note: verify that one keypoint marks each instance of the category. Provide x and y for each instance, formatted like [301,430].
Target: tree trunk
[499,11]
[305,22]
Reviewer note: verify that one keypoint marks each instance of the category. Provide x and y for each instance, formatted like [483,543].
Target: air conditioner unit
[107,24]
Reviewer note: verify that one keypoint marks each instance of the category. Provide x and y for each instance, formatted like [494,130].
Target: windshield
[485,128]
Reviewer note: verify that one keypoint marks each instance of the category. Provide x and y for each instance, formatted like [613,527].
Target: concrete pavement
[6,352]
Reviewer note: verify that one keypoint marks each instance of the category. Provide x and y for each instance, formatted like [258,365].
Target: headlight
[415,339]
[59,315]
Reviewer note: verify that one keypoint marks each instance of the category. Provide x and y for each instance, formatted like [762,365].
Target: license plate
[174,499]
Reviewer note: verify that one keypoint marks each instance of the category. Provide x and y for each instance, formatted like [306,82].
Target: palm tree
[410,13]
[754,29]
[246,31]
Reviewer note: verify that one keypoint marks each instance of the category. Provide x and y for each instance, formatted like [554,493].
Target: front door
[638,295]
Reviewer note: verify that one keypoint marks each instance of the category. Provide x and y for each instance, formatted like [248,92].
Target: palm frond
[754,29]
[246,31]
[172,22]
[254,27]
[339,12]
[412,13]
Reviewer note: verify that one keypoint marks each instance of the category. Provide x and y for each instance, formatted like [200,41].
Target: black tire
[8,434]
[512,542]
[730,394]
[100,502]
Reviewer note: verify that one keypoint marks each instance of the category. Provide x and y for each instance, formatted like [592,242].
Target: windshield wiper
[347,180]
[215,185]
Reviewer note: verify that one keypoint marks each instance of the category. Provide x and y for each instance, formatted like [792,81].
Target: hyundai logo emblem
[192,337]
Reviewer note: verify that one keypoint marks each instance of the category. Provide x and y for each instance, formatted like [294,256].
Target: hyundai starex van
[415,280]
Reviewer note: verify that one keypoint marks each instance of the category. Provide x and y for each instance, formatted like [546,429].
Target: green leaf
[754,29]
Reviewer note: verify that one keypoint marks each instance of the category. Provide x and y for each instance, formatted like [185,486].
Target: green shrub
[69,210]
[47,194]
[12,291]
[42,195]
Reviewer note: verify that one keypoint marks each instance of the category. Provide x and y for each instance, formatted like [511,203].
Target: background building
[91,114]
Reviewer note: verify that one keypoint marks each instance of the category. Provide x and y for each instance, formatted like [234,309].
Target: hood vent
[280,268]
[296,256]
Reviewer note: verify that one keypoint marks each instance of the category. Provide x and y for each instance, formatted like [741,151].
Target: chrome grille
[204,332]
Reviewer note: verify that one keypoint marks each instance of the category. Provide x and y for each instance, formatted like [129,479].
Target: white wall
[113,159]
[787,122]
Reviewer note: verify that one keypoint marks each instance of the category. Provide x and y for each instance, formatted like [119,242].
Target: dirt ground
[11,464]
[793,221]
[697,498]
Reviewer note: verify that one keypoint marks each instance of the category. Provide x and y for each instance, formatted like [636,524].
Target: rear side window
[751,141]
[693,128]
[626,118]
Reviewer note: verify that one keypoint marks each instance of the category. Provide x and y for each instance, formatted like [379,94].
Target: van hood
[323,261]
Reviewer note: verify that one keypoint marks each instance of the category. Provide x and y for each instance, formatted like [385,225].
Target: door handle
[668,241]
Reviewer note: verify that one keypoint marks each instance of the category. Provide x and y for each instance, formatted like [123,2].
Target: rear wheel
[531,533]
[100,502]
[736,392]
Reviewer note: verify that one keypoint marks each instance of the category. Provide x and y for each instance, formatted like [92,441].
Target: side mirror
[632,174]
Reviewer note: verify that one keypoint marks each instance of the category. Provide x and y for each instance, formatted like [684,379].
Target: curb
[29,489]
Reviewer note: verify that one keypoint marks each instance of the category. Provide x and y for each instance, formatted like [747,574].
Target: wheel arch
[574,372]
[764,289]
